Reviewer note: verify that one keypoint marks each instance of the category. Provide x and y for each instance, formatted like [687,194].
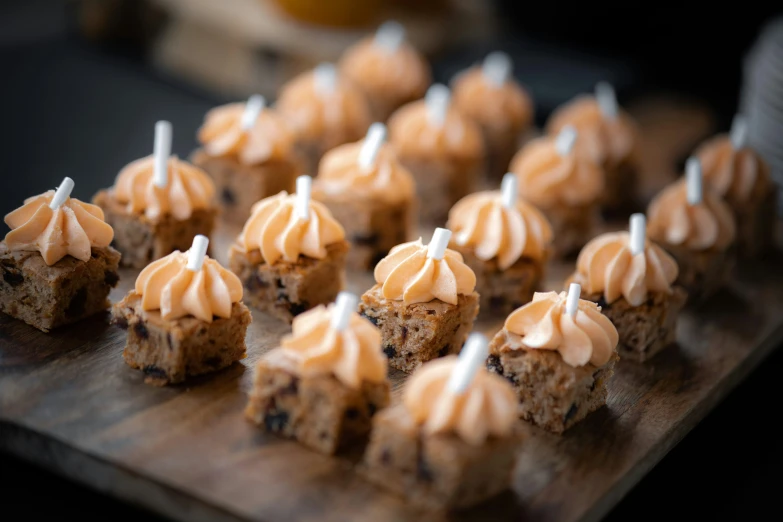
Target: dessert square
[318,411]
[239,186]
[142,240]
[416,333]
[50,296]
[436,471]
[170,351]
[286,289]
[703,273]
[572,227]
[552,394]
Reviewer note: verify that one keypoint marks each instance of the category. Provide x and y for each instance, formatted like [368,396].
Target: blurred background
[83,82]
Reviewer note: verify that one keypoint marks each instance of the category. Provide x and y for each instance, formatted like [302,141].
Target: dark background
[84,109]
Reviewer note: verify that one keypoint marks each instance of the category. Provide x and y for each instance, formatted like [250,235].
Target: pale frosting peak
[408,275]
[735,174]
[543,324]
[268,139]
[353,355]
[481,221]
[189,188]
[170,286]
[412,132]
[546,178]
[386,179]
[488,408]
[275,229]
[337,116]
[609,141]
[506,105]
[74,228]
[674,221]
[607,265]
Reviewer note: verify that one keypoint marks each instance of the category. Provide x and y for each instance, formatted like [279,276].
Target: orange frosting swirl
[482,222]
[72,229]
[506,106]
[169,286]
[333,118]
[277,232]
[543,324]
[222,135]
[607,141]
[413,134]
[735,174]
[488,408]
[607,265]
[340,172]
[407,274]
[188,189]
[353,355]
[673,221]
[546,178]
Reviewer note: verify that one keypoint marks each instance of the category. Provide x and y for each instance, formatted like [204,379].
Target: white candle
[62,193]
[437,100]
[197,252]
[496,68]
[638,232]
[472,357]
[739,132]
[162,151]
[255,104]
[325,78]
[440,240]
[389,36]
[375,137]
[572,300]
[509,188]
[564,141]
[607,100]
[343,308]
[304,186]
[693,182]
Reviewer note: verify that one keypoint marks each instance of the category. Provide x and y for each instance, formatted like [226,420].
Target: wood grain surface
[68,402]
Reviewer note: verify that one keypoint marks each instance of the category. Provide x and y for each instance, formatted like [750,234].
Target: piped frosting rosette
[733,173]
[170,286]
[543,324]
[275,229]
[188,189]
[607,265]
[673,220]
[547,178]
[487,408]
[222,134]
[409,275]
[494,105]
[482,221]
[73,228]
[353,355]
[386,179]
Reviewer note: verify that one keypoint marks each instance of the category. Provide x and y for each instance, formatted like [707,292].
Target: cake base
[572,227]
[702,273]
[756,225]
[50,296]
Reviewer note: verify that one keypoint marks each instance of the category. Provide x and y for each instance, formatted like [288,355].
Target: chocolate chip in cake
[13,278]
[276,420]
[141,331]
[298,308]
[373,320]
[602,302]
[227,195]
[404,333]
[78,303]
[154,371]
[111,278]
[493,365]
[390,351]
[571,412]
[120,321]
[279,283]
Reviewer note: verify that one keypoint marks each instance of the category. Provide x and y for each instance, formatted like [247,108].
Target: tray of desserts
[225,339]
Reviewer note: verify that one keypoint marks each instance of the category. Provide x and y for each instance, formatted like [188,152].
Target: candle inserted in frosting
[496,68]
[162,151]
[564,141]
[376,135]
[472,357]
[509,189]
[637,232]
[197,252]
[607,100]
[437,101]
[440,240]
[693,181]
[62,194]
[325,78]
[739,132]
[390,36]
[572,299]
[304,186]
[255,104]
[344,306]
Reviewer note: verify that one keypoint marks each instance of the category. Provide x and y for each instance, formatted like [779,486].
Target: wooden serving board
[69,402]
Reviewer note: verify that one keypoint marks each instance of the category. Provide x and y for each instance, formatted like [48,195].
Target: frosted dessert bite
[609,136]
[453,441]
[739,175]
[499,105]
[325,382]
[505,241]
[158,204]
[324,110]
[56,263]
[424,302]
[632,280]
[565,184]
[184,317]
[247,149]
[387,69]
[291,254]
[558,351]
[697,228]
[442,148]
[371,195]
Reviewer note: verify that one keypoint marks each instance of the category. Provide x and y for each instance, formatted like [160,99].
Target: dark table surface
[71,110]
